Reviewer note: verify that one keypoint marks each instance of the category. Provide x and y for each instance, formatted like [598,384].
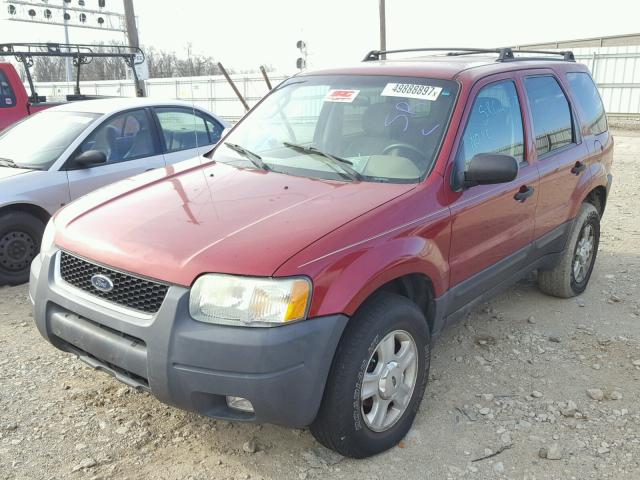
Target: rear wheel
[377,379]
[20,236]
[571,276]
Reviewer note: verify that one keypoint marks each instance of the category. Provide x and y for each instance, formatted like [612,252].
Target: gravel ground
[545,388]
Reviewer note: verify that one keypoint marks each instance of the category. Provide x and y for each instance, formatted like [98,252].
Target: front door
[129,142]
[491,224]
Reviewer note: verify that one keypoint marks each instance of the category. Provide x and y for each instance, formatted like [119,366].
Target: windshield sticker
[343,96]
[411,90]
[8,101]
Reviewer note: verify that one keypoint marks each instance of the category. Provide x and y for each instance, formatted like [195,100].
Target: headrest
[111,133]
[374,119]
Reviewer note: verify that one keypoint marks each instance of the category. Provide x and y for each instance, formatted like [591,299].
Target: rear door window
[589,102]
[494,124]
[552,122]
[184,129]
[7,95]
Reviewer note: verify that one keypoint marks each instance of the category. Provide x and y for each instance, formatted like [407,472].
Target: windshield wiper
[7,162]
[345,165]
[253,157]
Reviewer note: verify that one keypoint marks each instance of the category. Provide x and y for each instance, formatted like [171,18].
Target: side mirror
[90,158]
[490,168]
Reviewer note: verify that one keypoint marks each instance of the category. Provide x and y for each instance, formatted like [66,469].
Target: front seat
[142,145]
[105,142]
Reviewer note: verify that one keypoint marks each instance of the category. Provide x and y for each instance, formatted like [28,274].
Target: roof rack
[80,53]
[505,54]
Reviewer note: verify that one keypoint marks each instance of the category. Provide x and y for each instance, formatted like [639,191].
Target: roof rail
[505,54]
[567,55]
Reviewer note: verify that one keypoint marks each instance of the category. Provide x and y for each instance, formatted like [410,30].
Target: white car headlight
[249,301]
[48,237]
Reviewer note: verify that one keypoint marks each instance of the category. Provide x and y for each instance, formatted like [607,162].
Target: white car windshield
[37,141]
[345,127]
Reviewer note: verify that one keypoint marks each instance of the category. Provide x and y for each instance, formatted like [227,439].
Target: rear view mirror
[490,168]
[90,158]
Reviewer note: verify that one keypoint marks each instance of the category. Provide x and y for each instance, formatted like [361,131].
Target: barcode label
[411,90]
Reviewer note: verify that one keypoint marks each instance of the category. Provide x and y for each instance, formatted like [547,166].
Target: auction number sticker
[342,96]
[411,90]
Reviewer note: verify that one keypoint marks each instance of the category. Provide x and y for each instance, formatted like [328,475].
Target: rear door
[186,133]
[130,142]
[560,154]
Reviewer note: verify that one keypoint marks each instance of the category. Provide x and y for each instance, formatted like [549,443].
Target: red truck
[15,102]
[301,273]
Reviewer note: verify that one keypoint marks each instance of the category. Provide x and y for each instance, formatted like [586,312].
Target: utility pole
[132,35]
[383,29]
[67,61]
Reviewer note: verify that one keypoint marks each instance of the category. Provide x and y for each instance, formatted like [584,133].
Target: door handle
[578,168]
[524,193]
[149,169]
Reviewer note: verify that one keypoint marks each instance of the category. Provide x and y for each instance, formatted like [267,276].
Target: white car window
[124,137]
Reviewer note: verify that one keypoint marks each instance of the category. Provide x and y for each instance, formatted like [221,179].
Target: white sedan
[58,155]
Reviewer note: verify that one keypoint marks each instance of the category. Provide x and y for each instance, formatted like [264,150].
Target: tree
[161,65]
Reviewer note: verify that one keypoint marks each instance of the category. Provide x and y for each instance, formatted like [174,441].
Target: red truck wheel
[377,378]
[571,276]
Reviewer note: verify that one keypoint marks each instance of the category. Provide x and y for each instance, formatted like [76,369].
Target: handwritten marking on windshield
[405,111]
[426,133]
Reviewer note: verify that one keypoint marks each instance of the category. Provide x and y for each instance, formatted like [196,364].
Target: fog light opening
[239,403]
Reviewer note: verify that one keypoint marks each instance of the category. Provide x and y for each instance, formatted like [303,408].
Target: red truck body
[15,103]
[166,280]
[446,235]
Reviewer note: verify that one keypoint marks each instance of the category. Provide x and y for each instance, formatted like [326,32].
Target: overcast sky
[246,33]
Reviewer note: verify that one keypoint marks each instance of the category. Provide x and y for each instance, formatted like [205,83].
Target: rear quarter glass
[585,92]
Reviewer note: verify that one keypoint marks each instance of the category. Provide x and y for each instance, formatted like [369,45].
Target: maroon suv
[298,274]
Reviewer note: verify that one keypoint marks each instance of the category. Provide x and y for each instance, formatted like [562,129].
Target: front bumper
[192,365]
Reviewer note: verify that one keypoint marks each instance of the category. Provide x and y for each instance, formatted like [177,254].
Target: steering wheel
[399,146]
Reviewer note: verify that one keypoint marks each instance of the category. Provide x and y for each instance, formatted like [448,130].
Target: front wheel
[571,276]
[20,236]
[377,378]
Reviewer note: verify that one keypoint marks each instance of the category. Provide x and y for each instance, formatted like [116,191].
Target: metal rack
[81,54]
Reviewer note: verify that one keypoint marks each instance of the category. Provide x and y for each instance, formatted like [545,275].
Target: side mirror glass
[90,158]
[490,168]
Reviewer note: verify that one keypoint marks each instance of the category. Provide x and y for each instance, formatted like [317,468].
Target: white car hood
[6,172]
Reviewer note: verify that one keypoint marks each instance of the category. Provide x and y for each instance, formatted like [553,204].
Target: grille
[128,291]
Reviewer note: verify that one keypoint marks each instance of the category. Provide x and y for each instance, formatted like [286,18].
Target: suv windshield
[38,141]
[344,127]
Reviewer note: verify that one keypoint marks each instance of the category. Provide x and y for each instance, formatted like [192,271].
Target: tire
[20,236]
[345,422]
[562,281]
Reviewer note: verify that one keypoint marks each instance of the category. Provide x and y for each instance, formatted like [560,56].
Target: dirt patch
[515,382]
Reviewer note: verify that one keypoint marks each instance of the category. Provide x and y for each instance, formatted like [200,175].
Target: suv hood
[185,220]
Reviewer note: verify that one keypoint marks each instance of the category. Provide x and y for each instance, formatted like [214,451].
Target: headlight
[249,301]
[48,237]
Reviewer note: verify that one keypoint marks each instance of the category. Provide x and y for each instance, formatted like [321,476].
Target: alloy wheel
[389,381]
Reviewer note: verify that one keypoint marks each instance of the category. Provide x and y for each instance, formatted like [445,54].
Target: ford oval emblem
[102,283]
